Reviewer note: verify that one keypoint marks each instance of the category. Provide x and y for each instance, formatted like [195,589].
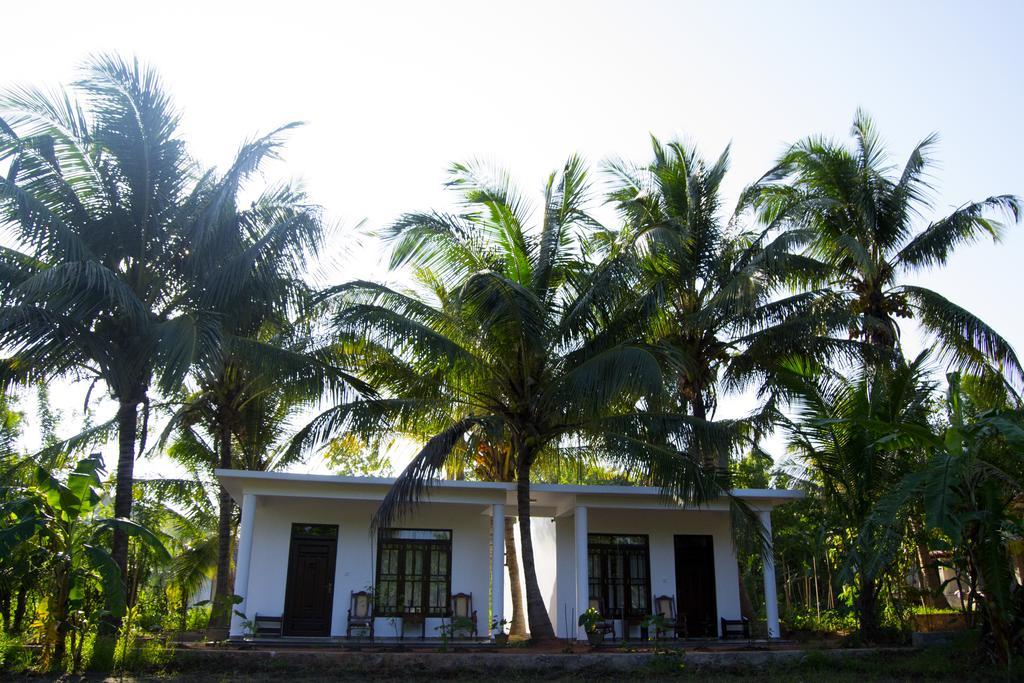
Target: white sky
[393,92]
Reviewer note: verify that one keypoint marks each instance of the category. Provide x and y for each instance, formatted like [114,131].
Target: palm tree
[95,198]
[835,435]
[720,322]
[248,270]
[525,342]
[856,219]
[239,417]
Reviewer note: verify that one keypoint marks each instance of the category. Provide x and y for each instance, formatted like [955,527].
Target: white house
[305,547]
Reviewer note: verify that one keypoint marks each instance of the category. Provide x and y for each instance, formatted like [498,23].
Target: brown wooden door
[309,593]
[695,584]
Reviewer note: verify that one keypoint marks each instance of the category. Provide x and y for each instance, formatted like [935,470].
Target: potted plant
[657,621]
[588,621]
[498,627]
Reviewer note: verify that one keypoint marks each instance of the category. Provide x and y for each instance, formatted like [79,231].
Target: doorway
[695,584]
[309,591]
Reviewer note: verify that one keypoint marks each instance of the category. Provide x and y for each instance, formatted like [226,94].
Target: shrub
[15,656]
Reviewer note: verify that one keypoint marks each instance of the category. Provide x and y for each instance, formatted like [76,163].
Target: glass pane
[418,534]
[314,531]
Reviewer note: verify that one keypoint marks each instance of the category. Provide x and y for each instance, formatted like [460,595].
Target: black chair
[360,613]
[736,628]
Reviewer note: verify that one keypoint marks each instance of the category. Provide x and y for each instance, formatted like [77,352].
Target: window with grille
[413,572]
[619,572]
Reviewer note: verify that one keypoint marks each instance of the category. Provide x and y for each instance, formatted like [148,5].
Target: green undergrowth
[957,662]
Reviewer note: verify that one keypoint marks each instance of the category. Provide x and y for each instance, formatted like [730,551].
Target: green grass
[960,662]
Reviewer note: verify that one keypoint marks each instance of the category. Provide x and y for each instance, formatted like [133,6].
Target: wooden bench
[267,627]
[736,628]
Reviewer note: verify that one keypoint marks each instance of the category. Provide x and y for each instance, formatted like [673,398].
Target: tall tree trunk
[220,615]
[867,608]
[518,625]
[20,605]
[127,433]
[5,607]
[540,622]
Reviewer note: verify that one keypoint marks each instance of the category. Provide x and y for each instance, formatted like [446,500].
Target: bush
[829,622]
[15,656]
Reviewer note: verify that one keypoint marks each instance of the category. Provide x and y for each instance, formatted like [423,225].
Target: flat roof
[556,496]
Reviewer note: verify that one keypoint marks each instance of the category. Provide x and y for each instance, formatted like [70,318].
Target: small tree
[970,487]
[63,519]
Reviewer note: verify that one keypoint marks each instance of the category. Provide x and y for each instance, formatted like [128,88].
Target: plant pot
[501,639]
[595,638]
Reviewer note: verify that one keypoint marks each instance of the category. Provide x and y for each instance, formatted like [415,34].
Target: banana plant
[970,488]
[64,518]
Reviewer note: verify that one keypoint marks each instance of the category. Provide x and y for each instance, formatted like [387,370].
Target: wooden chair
[606,625]
[360,613]
[736,628]
[462,609]
[267,627]
[673,623]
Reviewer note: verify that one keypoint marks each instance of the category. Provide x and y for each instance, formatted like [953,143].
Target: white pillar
[498,562]
[771,599]
[582,578]
[242,562]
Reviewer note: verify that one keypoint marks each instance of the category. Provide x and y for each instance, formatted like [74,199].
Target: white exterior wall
[660,526]
[565,553]
[543,529]
[357,555]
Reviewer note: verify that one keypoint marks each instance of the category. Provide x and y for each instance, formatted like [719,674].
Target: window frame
[610,550]
[424,578]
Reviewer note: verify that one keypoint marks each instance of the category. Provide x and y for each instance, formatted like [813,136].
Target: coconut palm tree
[856,218]
[239,415]
[95,201]
[721,324]
[249,270]
[835,435]
[516,335]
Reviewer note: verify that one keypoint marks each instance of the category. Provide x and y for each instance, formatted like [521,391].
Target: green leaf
[13,536]
[110,577]
[137,531]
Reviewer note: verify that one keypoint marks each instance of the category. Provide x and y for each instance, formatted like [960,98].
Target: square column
[582,575]
[498,563]
[771,599]
[242,562]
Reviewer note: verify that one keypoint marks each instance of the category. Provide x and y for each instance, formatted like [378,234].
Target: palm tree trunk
[220,615]
[518,625]
[5,607]
[540,622]
[867,603]
[127,433]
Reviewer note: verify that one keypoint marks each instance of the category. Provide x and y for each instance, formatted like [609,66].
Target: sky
[392,93]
